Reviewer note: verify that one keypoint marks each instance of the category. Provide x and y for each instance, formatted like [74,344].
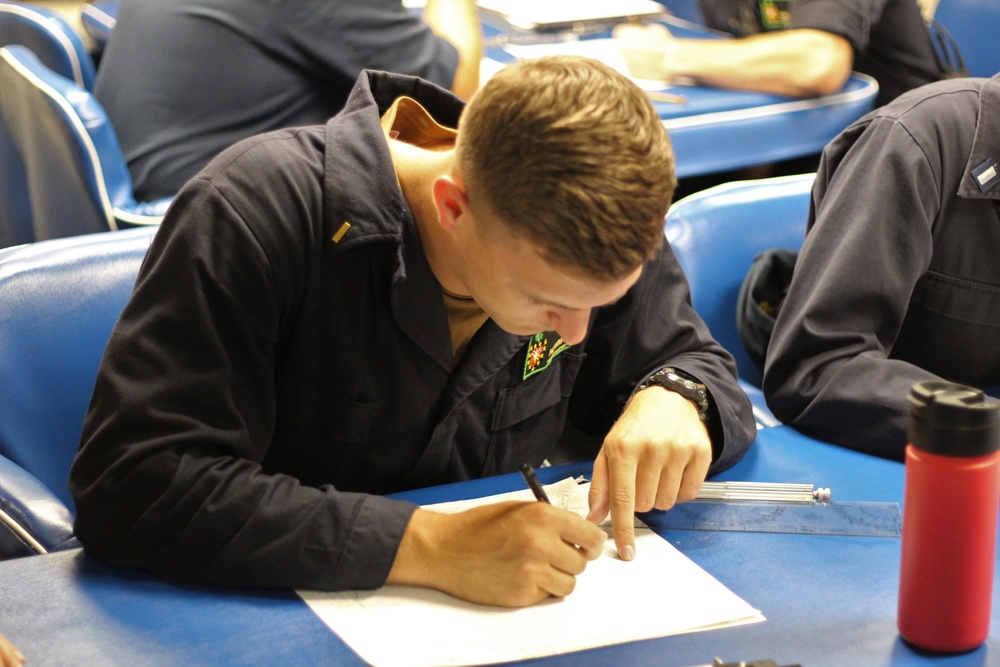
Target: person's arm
[171,475]
[829,370]
[794,63]
[458,22]
[656,450]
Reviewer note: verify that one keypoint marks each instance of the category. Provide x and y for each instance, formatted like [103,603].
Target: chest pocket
[529,417]
[315,409]
[951,329]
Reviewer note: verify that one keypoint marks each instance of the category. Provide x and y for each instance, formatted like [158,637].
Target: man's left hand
[656,454]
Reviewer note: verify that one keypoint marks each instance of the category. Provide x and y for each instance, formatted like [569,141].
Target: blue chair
[975,25]
[60,300]
[98,20]
[716,234]
[60,48]
[687,10]
[77,179]
[47,34]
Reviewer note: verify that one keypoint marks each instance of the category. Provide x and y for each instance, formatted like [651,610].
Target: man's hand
[656,454]
[649,51]
[510,554]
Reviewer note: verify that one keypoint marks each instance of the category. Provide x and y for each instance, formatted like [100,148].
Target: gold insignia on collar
[339,234]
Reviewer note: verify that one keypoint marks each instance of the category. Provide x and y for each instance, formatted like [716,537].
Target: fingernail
[628,552]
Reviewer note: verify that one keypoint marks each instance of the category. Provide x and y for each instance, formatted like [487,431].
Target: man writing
[337,312]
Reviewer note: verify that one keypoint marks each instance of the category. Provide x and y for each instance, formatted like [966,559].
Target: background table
[714,130]
[829,600]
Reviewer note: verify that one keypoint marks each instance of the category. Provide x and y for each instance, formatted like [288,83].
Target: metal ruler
[873,519]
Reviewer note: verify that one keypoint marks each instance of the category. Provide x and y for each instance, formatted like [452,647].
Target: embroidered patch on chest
[774,14]
[540,355]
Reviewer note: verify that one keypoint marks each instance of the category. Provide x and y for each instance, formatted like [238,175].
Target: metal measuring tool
[767,509]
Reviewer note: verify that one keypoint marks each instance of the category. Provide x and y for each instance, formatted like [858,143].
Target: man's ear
[451,200]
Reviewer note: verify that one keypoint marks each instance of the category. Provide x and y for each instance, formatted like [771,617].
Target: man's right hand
[510,554]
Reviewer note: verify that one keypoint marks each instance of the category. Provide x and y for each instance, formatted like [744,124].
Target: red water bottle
[950,504]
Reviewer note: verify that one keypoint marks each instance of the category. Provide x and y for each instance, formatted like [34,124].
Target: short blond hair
[572,153]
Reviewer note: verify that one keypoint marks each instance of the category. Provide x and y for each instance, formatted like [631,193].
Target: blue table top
[829,600]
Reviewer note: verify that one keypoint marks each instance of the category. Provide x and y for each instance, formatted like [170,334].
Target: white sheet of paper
[660,593]
[532,13]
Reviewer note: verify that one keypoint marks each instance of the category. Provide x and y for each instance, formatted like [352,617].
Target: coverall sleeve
[829,369]
[168,478]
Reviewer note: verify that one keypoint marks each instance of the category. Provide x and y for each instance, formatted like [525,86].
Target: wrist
[682,384]
[412,565]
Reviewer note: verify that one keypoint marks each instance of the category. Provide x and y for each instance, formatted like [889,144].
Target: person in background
[333,313]
[796,48]
[897,281]
[183,79]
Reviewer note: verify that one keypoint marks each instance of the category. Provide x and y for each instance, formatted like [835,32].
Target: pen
[532,479]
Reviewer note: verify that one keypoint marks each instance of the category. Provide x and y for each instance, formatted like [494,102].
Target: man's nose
[571,325]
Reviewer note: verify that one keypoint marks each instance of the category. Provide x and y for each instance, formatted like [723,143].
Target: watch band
[683,384]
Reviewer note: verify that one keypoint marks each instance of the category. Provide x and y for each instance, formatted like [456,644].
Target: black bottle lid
[953,420]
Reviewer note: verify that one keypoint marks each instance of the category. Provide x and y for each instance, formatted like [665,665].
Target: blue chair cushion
[716,234]
[77,177]
[60,300]
[975,25]
[46,33]
[32,520]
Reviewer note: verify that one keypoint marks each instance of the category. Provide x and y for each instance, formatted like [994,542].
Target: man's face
[510,278]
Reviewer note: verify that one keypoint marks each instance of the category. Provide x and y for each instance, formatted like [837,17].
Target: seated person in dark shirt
[898,280]
[797,48]
[332,313]
[183,79]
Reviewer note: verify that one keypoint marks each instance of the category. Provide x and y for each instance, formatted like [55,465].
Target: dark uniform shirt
[265,381]
[890,40]
[183,79]
[898,280]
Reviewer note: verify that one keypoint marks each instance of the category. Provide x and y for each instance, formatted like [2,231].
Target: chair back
[75,172]
[60,48]
[60,299]
[716,234]
[975,25]
[15,206]
[48,36]
[98,19]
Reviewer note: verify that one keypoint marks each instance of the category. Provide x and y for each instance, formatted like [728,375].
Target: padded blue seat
[60,300]
[60,48]
[975,25]
[98,20]
[49,37]
[716,234]
[77,179]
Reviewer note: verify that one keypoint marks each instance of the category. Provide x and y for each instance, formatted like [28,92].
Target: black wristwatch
[683,384]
